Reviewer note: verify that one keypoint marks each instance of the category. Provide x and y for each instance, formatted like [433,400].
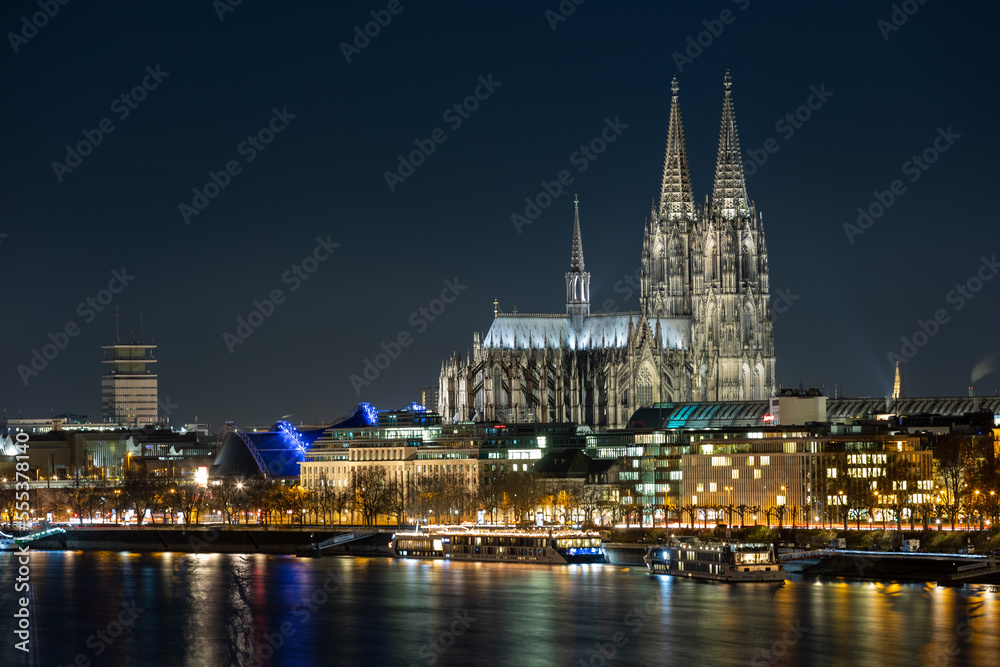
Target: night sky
[888,93]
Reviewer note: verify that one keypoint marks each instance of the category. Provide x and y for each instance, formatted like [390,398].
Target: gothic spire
[676,196]
[576,258]
[729,197]
[577,278]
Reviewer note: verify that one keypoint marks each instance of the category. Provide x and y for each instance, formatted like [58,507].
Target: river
[126,609]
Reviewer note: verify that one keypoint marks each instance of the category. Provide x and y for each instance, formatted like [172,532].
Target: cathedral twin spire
[729,196]
[676,195]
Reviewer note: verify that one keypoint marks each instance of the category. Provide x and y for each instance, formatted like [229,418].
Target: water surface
[214,609]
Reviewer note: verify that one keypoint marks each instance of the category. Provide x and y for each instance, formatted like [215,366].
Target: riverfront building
[62,454]
[414,443]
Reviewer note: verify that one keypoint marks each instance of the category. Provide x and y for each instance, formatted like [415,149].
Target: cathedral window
[644,389]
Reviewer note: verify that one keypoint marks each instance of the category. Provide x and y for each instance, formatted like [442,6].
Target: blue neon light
[291,436]
[415,407]
[370,413]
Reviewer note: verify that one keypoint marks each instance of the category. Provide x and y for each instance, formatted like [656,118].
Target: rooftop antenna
[140,327]
[116,326]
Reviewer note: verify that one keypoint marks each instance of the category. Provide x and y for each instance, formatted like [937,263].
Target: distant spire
[898,388]
[676,196]
[729,197]
[576,259]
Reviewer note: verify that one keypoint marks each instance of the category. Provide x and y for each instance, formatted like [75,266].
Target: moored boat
[508,545]
[735,562]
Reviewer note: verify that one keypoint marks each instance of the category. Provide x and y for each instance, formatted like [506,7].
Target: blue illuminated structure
[415,407]
[368,413]
[291,436]
[272,454]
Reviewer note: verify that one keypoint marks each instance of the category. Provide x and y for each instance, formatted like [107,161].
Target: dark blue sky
[323,176]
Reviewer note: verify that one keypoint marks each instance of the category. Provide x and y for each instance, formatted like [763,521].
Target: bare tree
[742,509]
[370,491]
[83,497]
[591,501]
[143,495]
[189,499]
[396,500]
[521,494]
[9,500]
[489,497]
[955,460]
[691,511]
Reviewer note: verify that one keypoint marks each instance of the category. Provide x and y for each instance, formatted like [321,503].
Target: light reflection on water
[213,609]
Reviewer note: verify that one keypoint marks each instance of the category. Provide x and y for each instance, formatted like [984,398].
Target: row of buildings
[798,450]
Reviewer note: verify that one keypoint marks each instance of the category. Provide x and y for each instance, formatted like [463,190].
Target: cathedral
[703,331]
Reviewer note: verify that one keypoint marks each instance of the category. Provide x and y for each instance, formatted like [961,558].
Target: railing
[343,539]
[796,555]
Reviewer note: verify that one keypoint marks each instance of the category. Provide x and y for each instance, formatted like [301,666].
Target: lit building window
[712,487]
[756,473]
[749,460]
[736,473]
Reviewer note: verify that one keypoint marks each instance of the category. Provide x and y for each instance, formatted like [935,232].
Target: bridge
[343,538]
[316,548]
[988,566]
[11,542]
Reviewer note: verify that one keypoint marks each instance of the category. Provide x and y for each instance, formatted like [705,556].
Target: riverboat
[507,545]
[735,562]
[7,542]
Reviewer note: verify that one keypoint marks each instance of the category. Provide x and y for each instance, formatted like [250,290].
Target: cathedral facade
[703,331]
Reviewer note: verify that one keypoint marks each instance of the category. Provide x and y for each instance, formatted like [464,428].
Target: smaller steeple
[577,279]
[576,257]
[898,388]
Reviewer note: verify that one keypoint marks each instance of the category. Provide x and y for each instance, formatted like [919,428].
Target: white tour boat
[507,545]
[734,562]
